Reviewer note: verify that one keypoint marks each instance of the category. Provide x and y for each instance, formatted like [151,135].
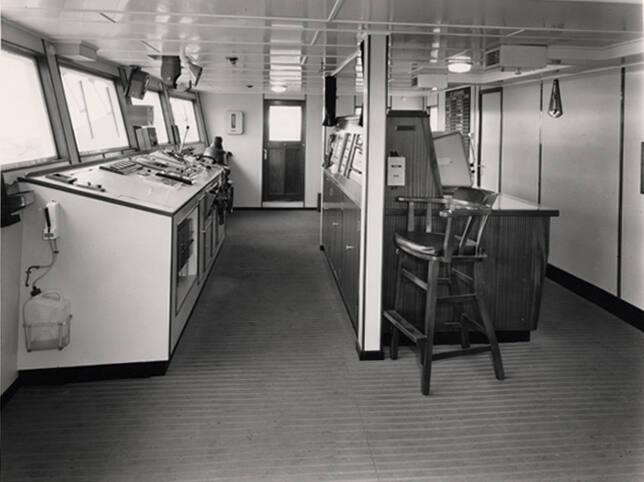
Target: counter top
[507,205]
[141,189]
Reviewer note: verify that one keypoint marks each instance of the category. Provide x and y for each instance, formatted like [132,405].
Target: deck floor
[266,386]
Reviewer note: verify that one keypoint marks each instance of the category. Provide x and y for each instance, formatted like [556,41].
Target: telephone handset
[52,220]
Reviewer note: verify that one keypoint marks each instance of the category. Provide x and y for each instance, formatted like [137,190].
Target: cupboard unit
[135,251]
[341,211]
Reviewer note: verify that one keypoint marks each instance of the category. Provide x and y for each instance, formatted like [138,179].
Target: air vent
[516,57]
[492,58]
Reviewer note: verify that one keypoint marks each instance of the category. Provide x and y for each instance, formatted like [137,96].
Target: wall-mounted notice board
[457,110]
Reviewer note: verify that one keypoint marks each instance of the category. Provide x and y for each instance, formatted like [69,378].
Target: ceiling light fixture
[459,66]
[278,88]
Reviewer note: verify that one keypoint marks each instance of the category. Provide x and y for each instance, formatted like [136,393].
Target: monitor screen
[452,159]
[138,84]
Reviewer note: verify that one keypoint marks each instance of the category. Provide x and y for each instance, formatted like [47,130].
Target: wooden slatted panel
[266,386]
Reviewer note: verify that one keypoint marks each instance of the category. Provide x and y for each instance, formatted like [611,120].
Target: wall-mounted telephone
[52,220]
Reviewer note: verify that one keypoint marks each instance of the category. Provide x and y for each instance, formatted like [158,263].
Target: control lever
[183,141]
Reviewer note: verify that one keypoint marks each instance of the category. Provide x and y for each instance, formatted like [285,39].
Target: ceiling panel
[296,41]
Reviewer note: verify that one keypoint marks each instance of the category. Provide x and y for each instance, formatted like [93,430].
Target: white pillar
[376,51]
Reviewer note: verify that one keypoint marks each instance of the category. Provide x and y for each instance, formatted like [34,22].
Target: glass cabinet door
[186,256]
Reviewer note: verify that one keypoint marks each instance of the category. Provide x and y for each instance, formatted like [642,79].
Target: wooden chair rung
[456,298]
[414,279]
[406,328]
[477,324]
[462,352]
[462,276]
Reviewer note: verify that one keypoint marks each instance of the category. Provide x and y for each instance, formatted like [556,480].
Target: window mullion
[59,94]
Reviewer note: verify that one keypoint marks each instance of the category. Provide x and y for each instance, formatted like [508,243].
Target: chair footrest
[406,328]
[456,298]
[464,351]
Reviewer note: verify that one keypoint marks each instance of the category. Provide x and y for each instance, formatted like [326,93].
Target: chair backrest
[474,225]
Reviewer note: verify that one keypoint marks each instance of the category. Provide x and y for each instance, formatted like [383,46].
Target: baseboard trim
[57,376]
[9,392]
[629,313]
[276,209]
[369,355]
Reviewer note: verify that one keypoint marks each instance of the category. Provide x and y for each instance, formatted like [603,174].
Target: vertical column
[376,52]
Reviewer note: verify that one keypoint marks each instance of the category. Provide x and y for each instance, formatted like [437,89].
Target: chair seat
[422,244]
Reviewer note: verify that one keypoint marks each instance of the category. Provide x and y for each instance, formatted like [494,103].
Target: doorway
[283,155]
[490,138]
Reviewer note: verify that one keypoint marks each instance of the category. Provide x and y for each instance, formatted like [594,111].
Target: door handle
[335,224]
[348,247]
[265,154]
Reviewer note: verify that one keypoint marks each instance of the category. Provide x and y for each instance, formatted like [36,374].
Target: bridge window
[25,134]
[95,111]
[154,99]
[183,111]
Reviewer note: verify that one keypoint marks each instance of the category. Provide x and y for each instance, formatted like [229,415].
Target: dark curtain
[330,93]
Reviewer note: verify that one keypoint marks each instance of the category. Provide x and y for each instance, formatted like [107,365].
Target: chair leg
[430,322]
[489,331]
[395,333]
[457,311]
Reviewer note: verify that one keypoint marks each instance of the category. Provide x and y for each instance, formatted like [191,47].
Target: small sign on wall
[395,171]
[234,122]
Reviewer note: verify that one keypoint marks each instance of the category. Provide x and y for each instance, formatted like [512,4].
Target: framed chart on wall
[338,152]
[356,164]
[346,154]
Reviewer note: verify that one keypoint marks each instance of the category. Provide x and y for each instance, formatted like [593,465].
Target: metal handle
[348,247]
[335,224]
[265,154]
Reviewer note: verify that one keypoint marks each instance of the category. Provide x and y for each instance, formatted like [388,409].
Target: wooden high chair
[454,259]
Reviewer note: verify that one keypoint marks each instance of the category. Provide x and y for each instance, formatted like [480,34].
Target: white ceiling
[295,42]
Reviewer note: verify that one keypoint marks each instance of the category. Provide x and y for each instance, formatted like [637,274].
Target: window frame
[51,109]
[164,111]
[120,96]
[196,105]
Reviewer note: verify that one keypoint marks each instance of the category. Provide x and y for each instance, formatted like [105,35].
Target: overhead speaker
[170,70]
[330,92]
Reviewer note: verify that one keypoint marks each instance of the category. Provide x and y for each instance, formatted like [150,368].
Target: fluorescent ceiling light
[459,66]
[278,88]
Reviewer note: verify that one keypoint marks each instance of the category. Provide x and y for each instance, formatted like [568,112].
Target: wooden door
[283,164]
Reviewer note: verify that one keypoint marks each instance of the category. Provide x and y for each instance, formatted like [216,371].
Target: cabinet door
[336,232]
[325,215]
[350,257]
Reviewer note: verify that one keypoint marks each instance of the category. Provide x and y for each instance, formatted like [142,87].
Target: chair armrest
[445,201]
[462,211]
[427,200]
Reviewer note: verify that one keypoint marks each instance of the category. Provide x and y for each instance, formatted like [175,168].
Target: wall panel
[633,199]
[312,170]
[246,148]
[407,102]
[520,149]
[11,243]
[580,177]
